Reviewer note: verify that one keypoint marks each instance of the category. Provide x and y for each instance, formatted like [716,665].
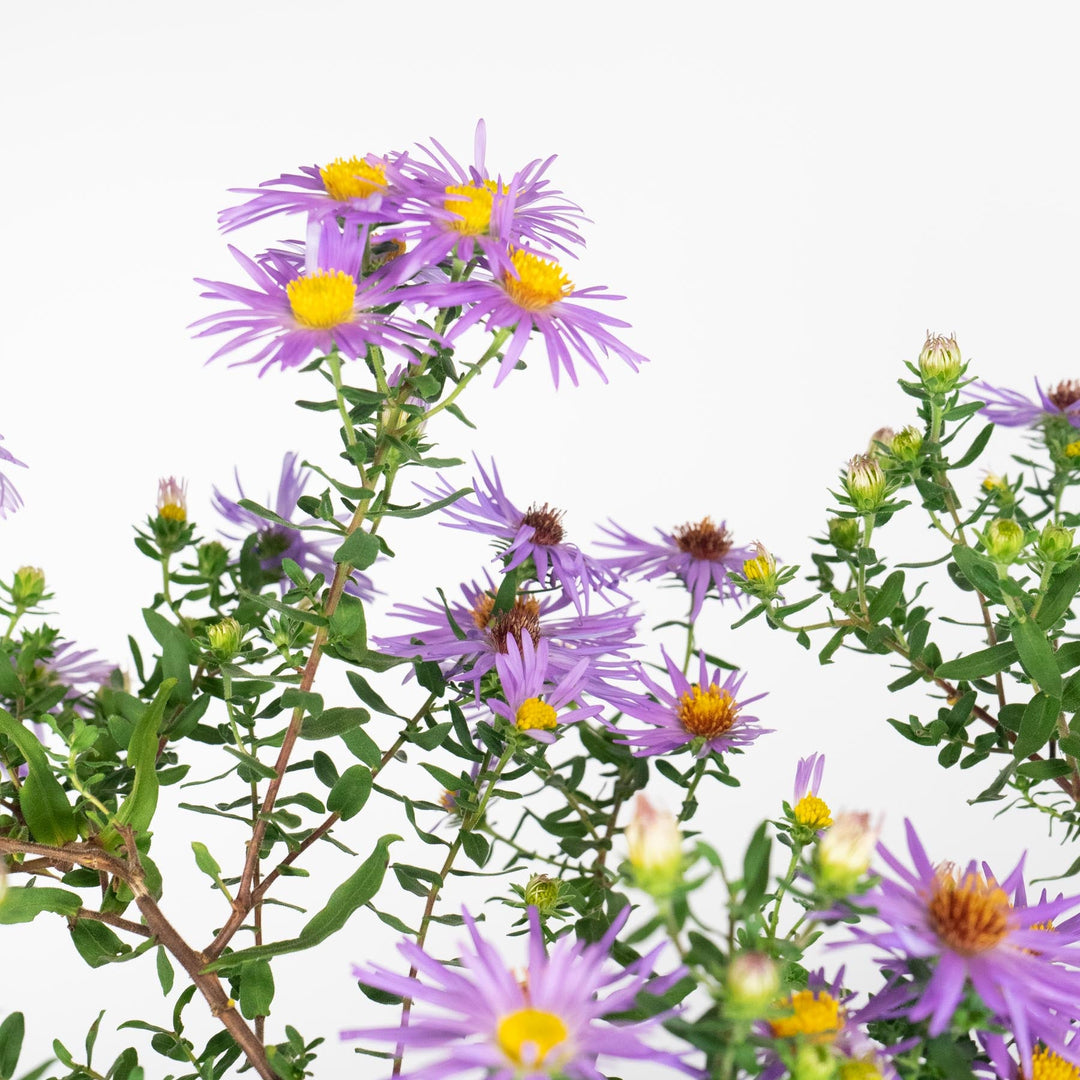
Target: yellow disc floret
[352,178]
[816,1016]
[535,715]
[473,204]
[1046,1065]
[527,1036]
[1073,449]
[969,914]
[860,1070]
[813,812]
[323,299]
[539,282]
[707,713]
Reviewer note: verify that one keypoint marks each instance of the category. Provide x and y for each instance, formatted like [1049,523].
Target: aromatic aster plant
[522,725]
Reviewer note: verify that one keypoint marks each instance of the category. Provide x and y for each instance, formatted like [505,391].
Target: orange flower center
[539,282]
[709,713]
[969,915]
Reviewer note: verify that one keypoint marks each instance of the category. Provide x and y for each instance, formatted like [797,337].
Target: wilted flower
[655,849]
[314,553]
[481,1016]
[700,554]
[10,500]
[1004,540]
[864,482]
[940,364]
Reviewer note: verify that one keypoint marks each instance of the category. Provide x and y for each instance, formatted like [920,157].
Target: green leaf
[888,594]
[348,627]
[1036,725]
[176,650]
[205,861]
[427,508]
[23,903]
[310,617]
[367,694]
[979,571]
[256,989]
[97,944]
[1045,770]
[431,738]
[979,664]
[351,894]
[350,792]
[12,1031]
[165,972]
[1037,655]
[335,721]
[359,550]
[363,746]
[1059,595]
[137,810]
[306,700]
[45,807]
[268,515]
[756,867]
[975,449]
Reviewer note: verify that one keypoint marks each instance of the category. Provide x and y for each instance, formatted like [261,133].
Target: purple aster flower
[353,188]
[467,637]
[482,1017]
[964,925]
[315,554]
[1010,408]
[10,500]
[536,533]
[807,810]
[293,314]
[446,207]
[705,716]
[534,294]
[700,555]
[1045,1064]
[526,679]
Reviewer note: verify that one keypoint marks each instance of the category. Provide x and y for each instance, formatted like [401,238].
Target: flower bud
[843,853]
[28,588]
[226,637]
[906,444]
[1072,450]
[542,892]
[865,483]
[655,849]
[815,1063]
[753,981]
[213,558]
[1004,540]
[844,533]
[172,499]
[760,573]
[940,364]
[882,437]
[1055,542]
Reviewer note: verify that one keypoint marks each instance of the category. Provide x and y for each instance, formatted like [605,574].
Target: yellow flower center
[814,1015]
[757,569]
[813,812]
[859,1070]
[322,300]
[1073,449]
[539,284]
[970,915]
[527,1036]
[352,178]
[709,713]
[1046,1065]
[473,204]
[535,715]
[172,512]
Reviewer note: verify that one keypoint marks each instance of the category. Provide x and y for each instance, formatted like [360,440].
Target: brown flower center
[703,540]
[546,523]
[1066,393]
[969,915]
[523,617]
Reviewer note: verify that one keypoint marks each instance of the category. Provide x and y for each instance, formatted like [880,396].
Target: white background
[788,194]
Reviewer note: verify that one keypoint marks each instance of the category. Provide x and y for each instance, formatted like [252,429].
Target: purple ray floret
[10,500]
[1010,408]
[483,1019]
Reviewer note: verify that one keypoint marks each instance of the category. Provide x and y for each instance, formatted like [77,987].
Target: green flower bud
[906,444]
[865,483]
[28,588]
[844,533]
[542,892]
[760,573]
[655,849]
[1055,542]
[843,854]
[226,637]
[213,558]
[753,981]
[1004,540]
[815,1063]
[940,364]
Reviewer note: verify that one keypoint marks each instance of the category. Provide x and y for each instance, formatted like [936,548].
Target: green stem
[334,360]
[789,877]
[688,801]
[868,531]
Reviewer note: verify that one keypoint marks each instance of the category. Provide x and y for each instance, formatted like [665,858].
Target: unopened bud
[844,533]
[883,437]
[226,637]
[865,483]
[172,499]
[940,364]
[760,573]
[753,981]
[906,444]
[1055,542]
[1004,540]
[655,849]
[844,852]
[815,1063]
[28,588]
[213,558]
[542,892]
